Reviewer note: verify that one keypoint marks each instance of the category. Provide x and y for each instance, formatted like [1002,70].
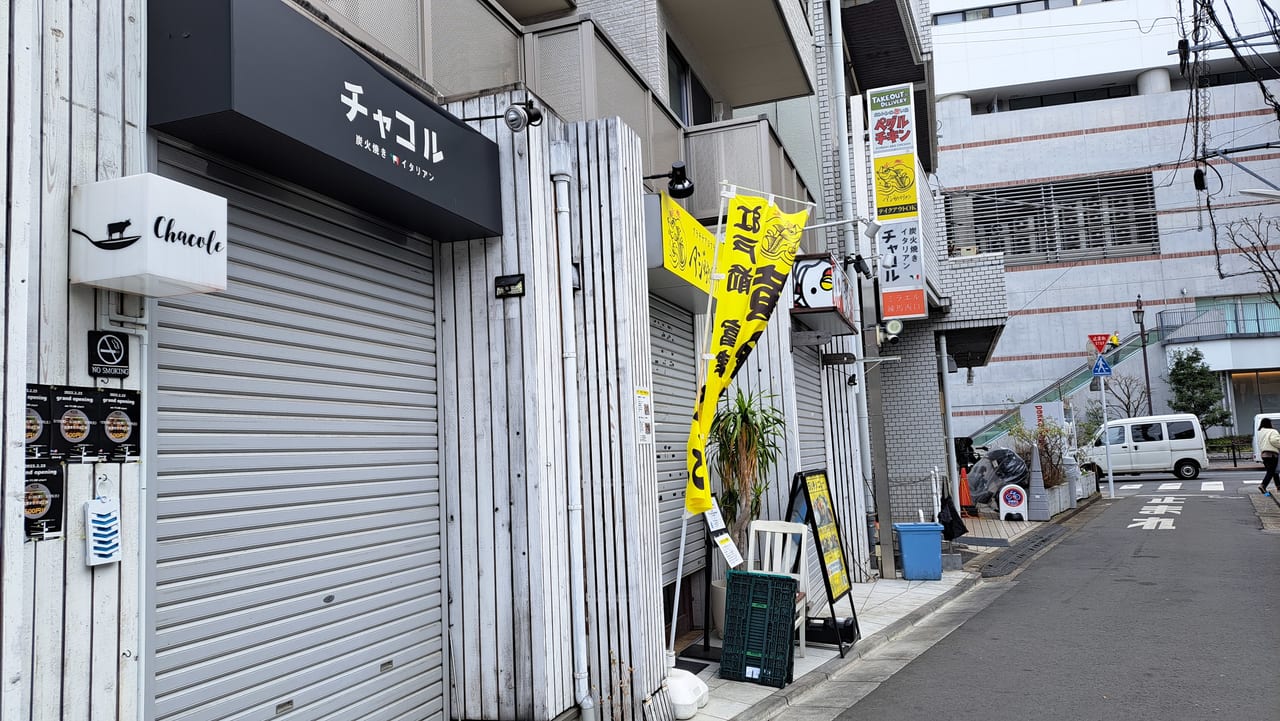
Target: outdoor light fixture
[517,116]
[872,228]
[1139,315]
[508,286]
[680,186]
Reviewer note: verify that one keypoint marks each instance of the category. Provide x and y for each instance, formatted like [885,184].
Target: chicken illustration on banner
[753,265]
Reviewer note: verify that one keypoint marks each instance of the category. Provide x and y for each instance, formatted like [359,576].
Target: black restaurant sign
[258,81]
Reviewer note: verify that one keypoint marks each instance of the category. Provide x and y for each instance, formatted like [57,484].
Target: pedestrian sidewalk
[885,609]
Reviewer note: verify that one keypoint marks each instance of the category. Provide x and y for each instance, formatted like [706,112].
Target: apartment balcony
[754,51]
[745,152]
[578,71]
[573,66]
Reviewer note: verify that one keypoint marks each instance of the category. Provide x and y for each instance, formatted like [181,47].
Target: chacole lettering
[164,230]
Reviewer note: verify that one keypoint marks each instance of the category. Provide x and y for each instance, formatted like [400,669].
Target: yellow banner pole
[700,379]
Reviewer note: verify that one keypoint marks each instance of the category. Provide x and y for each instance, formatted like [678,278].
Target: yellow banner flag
[686,245]
[755,262]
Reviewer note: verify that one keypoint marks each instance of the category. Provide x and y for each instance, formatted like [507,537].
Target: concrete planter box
[1059,498]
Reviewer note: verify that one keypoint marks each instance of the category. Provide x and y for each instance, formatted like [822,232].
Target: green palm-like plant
[744,445]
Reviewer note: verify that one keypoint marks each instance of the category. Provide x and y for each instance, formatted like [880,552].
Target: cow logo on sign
[116,239]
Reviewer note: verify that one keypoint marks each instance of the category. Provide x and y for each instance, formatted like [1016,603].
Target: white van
[1151,444]
[1275,423]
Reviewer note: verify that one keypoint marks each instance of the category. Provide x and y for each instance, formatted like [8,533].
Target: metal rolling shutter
[674,387]
[813,446]
[296,536]
[809,410]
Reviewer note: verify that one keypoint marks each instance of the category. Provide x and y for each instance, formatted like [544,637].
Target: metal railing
[1065,386]
[1228,320]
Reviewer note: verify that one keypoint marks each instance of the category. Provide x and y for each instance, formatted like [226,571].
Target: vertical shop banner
[687,247]
[891,114]
[901,271]
[754,263]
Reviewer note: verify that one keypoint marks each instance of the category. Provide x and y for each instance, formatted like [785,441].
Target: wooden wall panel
[503,439]
[614,359]
[76,97]
[504,436]
[19,188]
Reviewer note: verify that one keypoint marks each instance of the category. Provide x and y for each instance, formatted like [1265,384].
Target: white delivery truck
[1172,443]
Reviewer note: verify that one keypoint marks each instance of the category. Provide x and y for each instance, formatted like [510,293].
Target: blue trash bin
[921,546]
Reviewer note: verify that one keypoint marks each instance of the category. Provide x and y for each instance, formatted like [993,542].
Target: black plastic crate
[759,618]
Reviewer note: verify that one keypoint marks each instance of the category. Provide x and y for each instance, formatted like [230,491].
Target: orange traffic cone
[967,509]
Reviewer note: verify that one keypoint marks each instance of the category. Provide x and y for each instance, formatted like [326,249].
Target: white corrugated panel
[813,447]
[674,388]
[296,495]
[809,408]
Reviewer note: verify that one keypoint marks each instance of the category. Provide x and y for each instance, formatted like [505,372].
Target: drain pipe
[561,177]
[840,111]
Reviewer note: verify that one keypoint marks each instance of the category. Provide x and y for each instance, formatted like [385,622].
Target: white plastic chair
[772,545]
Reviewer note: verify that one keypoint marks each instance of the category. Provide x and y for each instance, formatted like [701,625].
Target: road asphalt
[842,683]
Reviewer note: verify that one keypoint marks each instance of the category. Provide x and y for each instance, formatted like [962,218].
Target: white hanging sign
[148,235]
[720,536]
[102,531]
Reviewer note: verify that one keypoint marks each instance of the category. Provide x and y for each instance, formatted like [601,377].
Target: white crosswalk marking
[1211,486]
[1130,486]
[1170,487]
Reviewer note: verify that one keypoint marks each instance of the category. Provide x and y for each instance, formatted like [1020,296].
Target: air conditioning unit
[968,250]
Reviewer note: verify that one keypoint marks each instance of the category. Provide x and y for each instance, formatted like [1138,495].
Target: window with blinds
[1080,219]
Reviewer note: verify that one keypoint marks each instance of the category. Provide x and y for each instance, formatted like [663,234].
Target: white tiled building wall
[1054,307]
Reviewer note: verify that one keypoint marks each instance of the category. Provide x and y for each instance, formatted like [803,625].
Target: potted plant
[743,444]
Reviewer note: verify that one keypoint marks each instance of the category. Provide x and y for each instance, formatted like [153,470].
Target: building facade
[1105,169]
[396,466]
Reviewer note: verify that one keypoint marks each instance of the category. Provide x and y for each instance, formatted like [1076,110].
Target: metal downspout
[561,177]
[953,466]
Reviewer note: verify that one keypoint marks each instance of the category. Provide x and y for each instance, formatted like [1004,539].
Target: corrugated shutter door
[674,387]
[813,441]
[813,447]
[296,540]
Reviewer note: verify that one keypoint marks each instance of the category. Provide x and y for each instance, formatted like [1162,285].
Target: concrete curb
[780,701]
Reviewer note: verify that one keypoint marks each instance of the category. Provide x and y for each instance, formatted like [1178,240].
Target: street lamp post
[1139,315]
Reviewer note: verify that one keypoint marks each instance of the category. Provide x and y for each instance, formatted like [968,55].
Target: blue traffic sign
[1100,367]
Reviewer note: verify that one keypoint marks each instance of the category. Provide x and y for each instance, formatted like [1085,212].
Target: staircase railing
[1065,386]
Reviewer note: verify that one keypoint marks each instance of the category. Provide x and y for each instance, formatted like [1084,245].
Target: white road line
[1170,487]
[1130,486]
[1211,486]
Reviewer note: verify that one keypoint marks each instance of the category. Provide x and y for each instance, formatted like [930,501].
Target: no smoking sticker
[108,354]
